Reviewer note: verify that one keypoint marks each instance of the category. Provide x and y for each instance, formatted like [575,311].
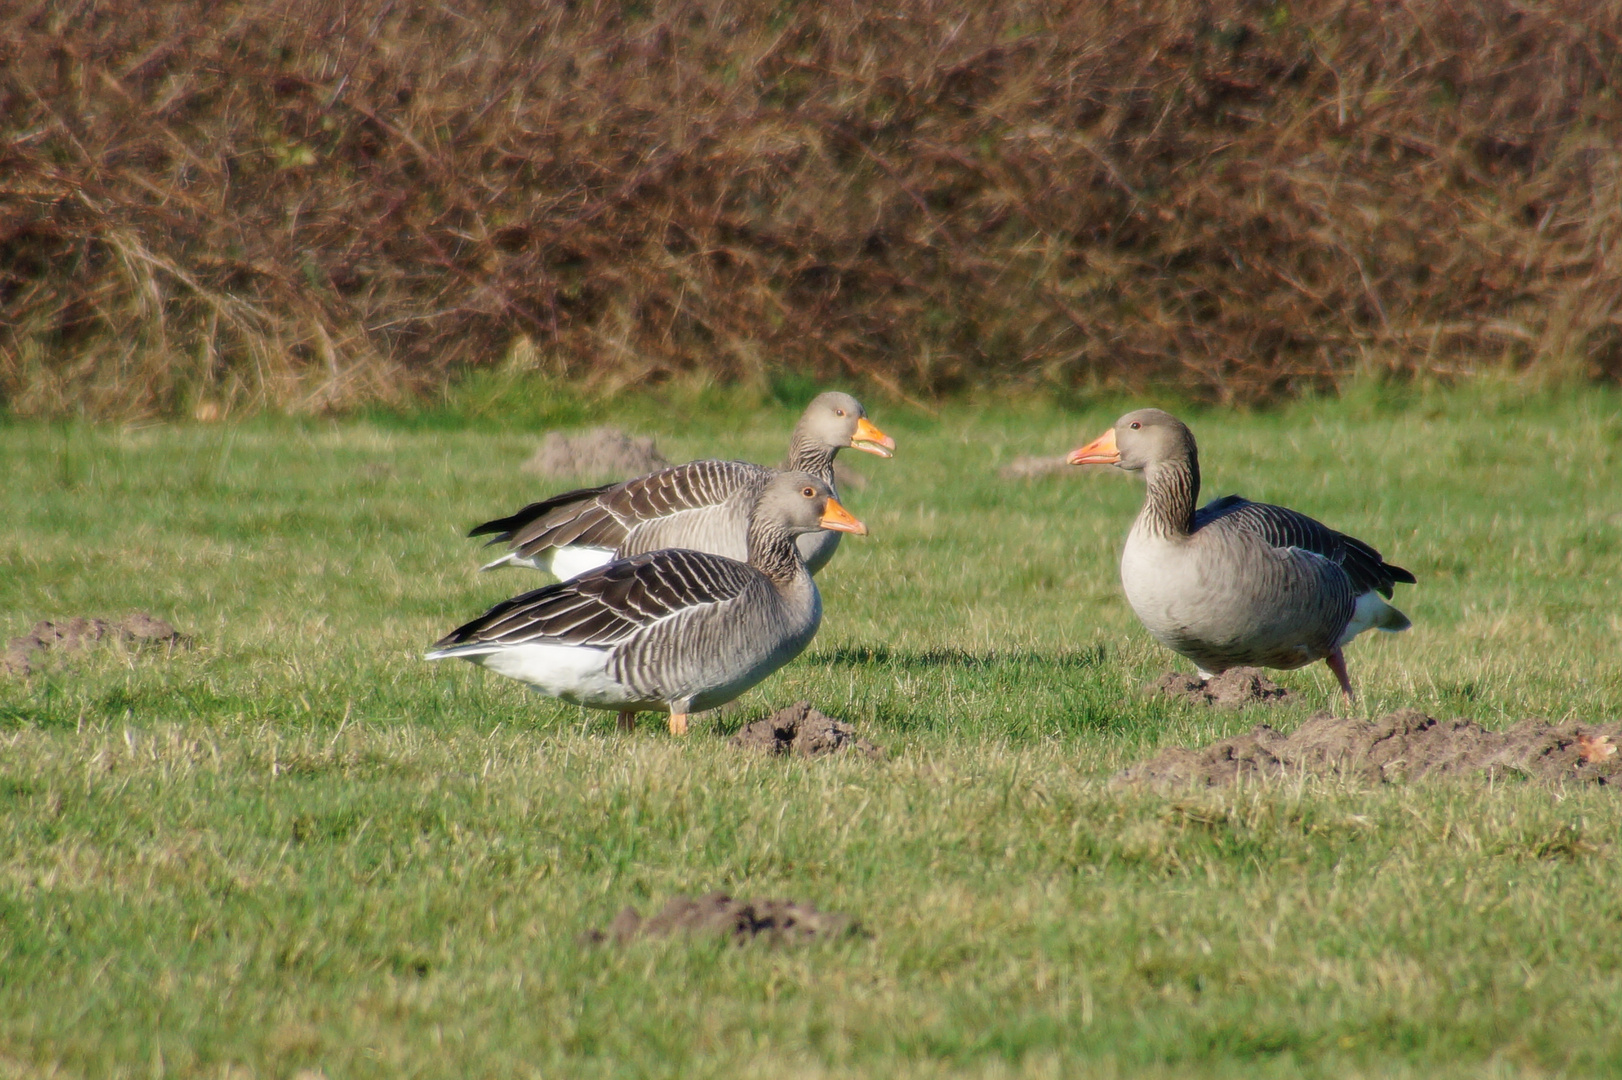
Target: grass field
[296,846]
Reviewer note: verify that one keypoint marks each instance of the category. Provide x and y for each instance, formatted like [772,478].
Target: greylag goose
[703,505]
[1236,582]
[673,630]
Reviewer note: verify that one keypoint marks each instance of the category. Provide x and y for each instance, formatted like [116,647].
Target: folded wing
[608,607]
[1286,528]
[603,517]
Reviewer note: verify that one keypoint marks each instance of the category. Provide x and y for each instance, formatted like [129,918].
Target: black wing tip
[513,522]
[1399,574]
[465,634]
[472,630]
[508,526]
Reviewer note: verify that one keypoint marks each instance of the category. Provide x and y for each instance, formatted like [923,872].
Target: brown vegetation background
[214,205]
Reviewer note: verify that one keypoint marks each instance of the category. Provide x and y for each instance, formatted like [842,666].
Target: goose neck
[773,553]
[812,455]
[1174,486]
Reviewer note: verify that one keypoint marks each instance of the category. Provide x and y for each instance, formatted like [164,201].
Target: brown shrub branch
[312,205]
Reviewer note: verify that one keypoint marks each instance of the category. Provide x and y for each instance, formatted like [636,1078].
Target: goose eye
[1134,425]
[839,412]
[809,493]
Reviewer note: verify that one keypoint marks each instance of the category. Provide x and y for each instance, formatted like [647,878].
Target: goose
[1237,582]
[702,505]
[674,630]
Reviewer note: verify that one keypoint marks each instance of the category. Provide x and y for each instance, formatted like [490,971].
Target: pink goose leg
[1337,663]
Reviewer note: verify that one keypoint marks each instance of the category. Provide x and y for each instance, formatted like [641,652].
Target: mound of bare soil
[597,453]
[1401,746]
[719,915]
[1233,689]
[802,730]
[1030,468]
[76,635]
[847,478]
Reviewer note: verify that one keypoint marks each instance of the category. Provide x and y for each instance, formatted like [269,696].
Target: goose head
[1140,439]
[800,503]
[838,420]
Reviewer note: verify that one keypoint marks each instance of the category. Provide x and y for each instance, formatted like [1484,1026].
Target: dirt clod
[1233,689]
[802,730]
[719,915]
[76,635]
[1401,746]
[597,453]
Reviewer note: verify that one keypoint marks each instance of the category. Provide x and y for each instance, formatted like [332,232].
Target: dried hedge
[307,205]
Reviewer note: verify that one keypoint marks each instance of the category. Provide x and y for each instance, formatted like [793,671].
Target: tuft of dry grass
[209,207]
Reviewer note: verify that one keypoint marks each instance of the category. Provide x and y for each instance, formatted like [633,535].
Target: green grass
[297,846]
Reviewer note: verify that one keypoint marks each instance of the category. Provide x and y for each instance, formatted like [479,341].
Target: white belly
[573,673]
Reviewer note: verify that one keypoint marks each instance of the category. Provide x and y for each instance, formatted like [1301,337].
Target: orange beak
[1101,451]
[839,519]
[871,439]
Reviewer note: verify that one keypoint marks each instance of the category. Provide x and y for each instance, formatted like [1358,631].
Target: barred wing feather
[560,519]
[696,485]
[604,517]
[608,607]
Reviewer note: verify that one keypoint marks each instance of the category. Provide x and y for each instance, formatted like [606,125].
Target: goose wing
[604,516]
[1285,528]
[537,523]
[607,606]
